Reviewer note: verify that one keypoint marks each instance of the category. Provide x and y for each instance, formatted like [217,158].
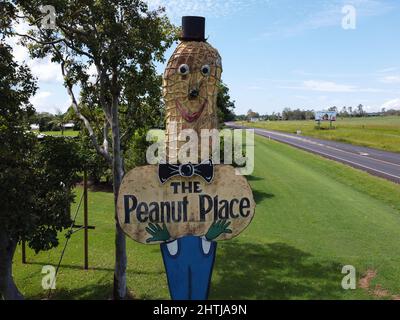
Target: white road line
[330,147]
[347,161]
[364,156]
[332,156]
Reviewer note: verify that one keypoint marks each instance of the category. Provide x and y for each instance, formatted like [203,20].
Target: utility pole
[85,220]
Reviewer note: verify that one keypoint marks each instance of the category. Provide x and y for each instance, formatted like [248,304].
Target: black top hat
[193,28]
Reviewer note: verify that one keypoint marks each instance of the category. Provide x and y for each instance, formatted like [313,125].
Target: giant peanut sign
[186,206]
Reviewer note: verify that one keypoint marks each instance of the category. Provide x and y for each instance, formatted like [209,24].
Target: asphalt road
[379,163]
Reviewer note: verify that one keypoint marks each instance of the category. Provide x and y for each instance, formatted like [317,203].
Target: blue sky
[285,53]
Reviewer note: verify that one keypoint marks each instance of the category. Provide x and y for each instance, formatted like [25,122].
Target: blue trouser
[189,270]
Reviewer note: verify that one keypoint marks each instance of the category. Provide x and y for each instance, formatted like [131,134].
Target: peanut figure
[190,88]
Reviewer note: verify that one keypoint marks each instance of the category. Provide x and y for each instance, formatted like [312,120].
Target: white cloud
[392,104]
[323,14]
[390,79]
[255,87]
[210,8]
[40,100]
[369,108]
[390,69]
[92,71]
[327,86]
[45,70]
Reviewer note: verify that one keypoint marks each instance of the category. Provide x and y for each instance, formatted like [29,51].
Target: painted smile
[190,117]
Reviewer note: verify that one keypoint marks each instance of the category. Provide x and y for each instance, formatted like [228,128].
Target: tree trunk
[8,289]
[120,288]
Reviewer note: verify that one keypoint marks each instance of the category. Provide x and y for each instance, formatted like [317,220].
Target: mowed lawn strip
[375,132]
[67,133]
[313,216]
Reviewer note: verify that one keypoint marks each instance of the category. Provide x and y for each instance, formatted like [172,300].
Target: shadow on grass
[274,271]
[69,266]
[94,268]
[101,187]
[102,290]
[261,195]
[253,178]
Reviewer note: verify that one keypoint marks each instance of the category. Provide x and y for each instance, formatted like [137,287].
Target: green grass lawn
[313,216]
[376,132]
[67,133]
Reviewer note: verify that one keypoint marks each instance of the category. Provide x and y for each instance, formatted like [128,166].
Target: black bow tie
[204,170]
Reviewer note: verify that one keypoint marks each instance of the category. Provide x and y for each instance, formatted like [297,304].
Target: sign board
[325,116]
[187,206]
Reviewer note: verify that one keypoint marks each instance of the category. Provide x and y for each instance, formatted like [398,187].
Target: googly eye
[205,70]
[183,69]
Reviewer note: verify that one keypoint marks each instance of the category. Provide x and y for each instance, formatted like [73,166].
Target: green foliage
[135,152]
[55,122]
[56,164]
[297,114]
[37,188]
[252,114]
[225,104]
[94,163]
[98,170]
[35,177]
[44,120]
[58,122]
[16,87]
[122,40]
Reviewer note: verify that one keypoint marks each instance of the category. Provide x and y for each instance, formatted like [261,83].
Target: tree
[35,178]
[286,114]
[343,112]
[59,121]
[225,104]
[360,110]
[252,114]
[297,114]
[120,39]
[334,109]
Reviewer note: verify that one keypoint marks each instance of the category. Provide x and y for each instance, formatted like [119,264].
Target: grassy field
[313,216]
[67,133]
[376,132]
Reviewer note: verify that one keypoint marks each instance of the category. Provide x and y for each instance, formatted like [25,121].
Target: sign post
[23,249]
[186,206]
[325,116]
[85,220]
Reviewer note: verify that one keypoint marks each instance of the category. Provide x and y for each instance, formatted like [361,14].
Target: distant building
[374,114]
[69,125]
[34,126]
